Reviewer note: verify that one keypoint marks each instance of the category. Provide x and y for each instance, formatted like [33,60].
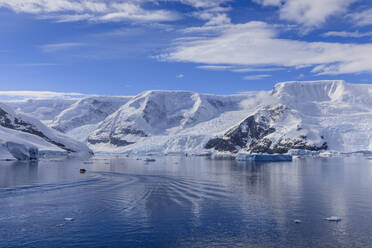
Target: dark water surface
[186,202]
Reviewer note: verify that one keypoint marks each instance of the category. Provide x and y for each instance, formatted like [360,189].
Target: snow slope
[169,121]
[341,111]
[272,129]
[84,114]
[42,109]
[313,116]
[28,130]
[317,115]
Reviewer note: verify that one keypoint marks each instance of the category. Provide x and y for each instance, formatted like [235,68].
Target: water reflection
[14,173]
[186,202]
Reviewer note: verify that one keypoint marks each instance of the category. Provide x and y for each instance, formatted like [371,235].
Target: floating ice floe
[333,218]
[22,151]
[263,157]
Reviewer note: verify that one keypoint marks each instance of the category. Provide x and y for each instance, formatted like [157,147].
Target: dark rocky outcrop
[110,140]
[23,126]
[251,135]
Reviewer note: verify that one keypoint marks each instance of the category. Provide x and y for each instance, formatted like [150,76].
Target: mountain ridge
[314,115]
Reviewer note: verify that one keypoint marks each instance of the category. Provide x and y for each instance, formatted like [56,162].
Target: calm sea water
[186,202]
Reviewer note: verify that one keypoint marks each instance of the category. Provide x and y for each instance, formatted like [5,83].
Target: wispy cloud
[257,44]
[60,46]
[363,18]
[355,34]
[310,13]
[180,76]
[19,95]
[204,3]
[256,77]
[253,69]
[237,68]
[60,18]
[90,10]
[215,67]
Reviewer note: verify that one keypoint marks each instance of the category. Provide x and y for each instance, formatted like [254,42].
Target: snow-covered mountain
[83,116]
[315,116]
[311,115]
[272,129]
[20,132]
[166,115]
[44,110]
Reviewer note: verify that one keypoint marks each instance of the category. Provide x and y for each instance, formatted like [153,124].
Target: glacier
[299,118]
[167,121]
[43,109]
[82,117]
[24,137]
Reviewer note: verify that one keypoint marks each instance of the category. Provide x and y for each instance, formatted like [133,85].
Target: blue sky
[123,47]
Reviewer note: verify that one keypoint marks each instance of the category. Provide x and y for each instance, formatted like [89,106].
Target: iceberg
[333,218]
[22,151]
[24,137]
[263,157]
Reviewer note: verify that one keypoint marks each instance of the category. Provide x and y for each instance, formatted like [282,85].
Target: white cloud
[204,3]
[60,46]
[68,18]
[215,67]
[219,19]
[211,11]
[241,69]
[252,69]
[256,77]
[19,95]
[310,13]
[355,34]
[132,11]
[268,2]
[90,10]
[158,15]
[180,76]
[257,44]
[362,18]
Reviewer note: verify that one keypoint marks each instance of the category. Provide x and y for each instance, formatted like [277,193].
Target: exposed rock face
[16,123]
[159,113]
[110,140]
[26,124]
[258,134]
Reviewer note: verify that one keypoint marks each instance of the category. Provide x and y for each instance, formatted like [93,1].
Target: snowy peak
[323,91]
[90,110]
[310,91]
[41,109]
[160,113]
[314,116]
[159,110]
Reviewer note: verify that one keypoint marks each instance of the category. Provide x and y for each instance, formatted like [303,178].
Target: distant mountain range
[313,116]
